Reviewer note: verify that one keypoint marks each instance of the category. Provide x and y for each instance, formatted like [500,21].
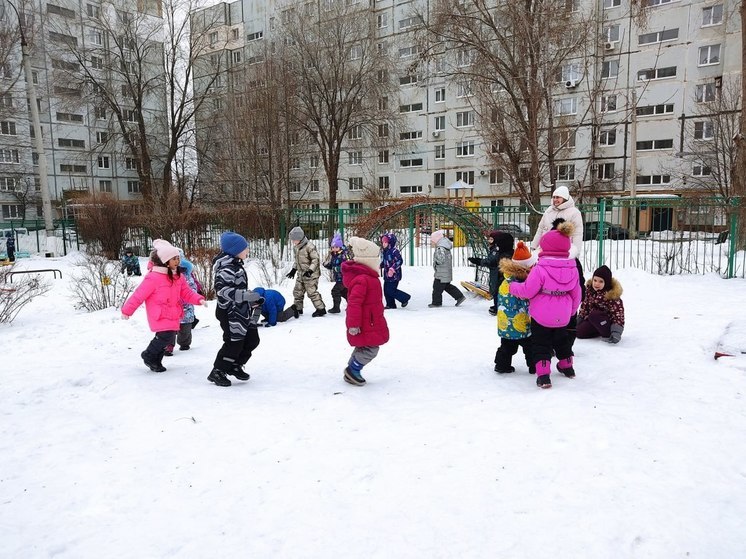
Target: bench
[54,271]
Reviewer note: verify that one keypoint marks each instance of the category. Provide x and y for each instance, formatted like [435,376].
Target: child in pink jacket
[553,291]
[163,289]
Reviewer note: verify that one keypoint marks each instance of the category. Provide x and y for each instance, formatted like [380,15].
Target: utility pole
[633,168]
[46,202]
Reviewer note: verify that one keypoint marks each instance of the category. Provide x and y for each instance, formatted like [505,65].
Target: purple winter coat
[553,291]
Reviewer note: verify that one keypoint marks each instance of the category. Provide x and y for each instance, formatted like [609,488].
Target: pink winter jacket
[162,299]
[553,291]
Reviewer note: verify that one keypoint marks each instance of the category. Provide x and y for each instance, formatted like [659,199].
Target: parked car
[519,232]
[613,232]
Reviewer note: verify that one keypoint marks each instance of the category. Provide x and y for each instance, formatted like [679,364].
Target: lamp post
[46,202]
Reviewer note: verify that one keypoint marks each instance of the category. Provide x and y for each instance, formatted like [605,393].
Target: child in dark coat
[273,308]
[130,263]
[500,246]
[337,255]
[602,311]
[391,263]
[366,326]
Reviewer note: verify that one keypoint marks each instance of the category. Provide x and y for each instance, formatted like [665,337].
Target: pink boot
[565,367]
[543,370]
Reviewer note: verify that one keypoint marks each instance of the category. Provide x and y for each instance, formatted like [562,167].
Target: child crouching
[367,329]
[602,311]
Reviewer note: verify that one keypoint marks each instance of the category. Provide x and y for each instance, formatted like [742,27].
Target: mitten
[353,331]
[390,273]
[474,260]
[291,274]
[616,334]
[307,274]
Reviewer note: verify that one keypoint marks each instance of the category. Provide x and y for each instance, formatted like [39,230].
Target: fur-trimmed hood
[510,268]
[612,294]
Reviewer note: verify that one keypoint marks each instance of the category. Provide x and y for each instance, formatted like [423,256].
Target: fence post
[733,244]
[341,221]
[601,217]
[411,237]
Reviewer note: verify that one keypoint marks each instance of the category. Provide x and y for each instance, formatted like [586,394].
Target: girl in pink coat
[553,291]
[163,290]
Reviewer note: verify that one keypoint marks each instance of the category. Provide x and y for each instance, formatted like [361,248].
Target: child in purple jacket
[553,291]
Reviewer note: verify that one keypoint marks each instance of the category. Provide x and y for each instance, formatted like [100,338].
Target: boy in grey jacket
[443,264]
[308,264]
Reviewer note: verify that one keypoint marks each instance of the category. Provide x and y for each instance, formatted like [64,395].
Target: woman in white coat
[562,206]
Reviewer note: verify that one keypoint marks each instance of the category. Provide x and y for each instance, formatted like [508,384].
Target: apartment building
[650,81]
[78,54]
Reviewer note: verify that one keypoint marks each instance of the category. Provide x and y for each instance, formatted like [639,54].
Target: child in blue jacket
[391,263]
[273,308]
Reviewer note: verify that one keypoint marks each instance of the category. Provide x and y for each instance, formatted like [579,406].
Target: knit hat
[605,274]
[436,236]
[336,241]
[233,243]
[503,241]
[296,234]
[165,250]
[128,250]
[562,192]
[366,253]
[522,255]
[557,242]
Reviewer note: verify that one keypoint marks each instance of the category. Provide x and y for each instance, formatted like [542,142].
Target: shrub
[99,284]
[15,296]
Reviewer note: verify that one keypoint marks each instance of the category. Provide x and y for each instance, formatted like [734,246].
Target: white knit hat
[165,250]
[366,253]
[562,192]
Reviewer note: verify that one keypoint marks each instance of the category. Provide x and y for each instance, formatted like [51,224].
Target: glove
[391,272]
[616,334]
[204,302]
[307,274]
[353,331]
[474,260]
[291,275]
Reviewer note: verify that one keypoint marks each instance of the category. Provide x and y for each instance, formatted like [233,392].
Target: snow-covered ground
[641,455]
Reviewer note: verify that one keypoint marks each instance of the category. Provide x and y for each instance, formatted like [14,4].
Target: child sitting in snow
[130,263]
[553,291]
[337,255]
[513,320]
[602,311]
[273,308]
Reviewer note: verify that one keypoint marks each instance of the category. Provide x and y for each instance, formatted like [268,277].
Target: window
[701,171]
[104,186]
[383,103]
[440,95]
[415,162]
[406,52]
[562,139]
[356,206]
[102,137]
[464,57]
[410,135]
[497,176]
[383,21]
[236,56]
[235,34]
[464,119]
[97,63]
[566,106]
[9,156]
[705,92]
[8,184]
[414,189]
[356,183]
[133,187]
[93,11]
[130,115]
[652,179]
[609,69]
[315,185]
[295,187]
[605,171]
[384,183]
[64,12]
[11,211]
[59,64]
[465,149]
[409,79]
[313,162]
[96,37]
[255,36]
[464,89]
[647,145]
[608,103]
[709,55]
[67,91]
[569,72]
[565,172]
[64,39]
[704,130]
[70,168]
[383,130]
[383,156]
[651,110]
[611,33]
[408,22]
[653,3]
[295,163]
[103,162]
[656,73]
[440,151]
[70,143]
[355,157]
[466,176]
[6,101]
[131,163]
[658,37]
[356,132]
[100,113]
[607,137]
[8,128]
[213,37]
[439,180]
[612,4]
[713,15]
[440,123]
[413,108]
[356,52]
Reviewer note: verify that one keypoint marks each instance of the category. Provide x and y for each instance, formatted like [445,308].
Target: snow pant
[361,356]
[310,287]
[133,270]
[509,347]
[184,337]
[545,340]
[338,291]
[157,346]
[596,324]
[392,294]
[439,287]
[235,353]
[282,316]
[572,329]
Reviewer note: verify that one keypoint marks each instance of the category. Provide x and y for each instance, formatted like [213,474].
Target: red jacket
[364,305]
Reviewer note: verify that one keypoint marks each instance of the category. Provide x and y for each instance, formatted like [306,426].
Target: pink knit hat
[557,242]
[436,236]
[165,250]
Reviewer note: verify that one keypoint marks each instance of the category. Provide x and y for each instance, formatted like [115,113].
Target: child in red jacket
[366,326]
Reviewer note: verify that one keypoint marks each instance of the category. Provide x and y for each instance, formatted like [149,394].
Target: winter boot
[461,300]
[152,364]
[404,303]
[353,377]
[335,309]
[492,310]
[296,312]
[319,312]
[565,367]
[504,370]
[239,372]
[543,369]
[218,377]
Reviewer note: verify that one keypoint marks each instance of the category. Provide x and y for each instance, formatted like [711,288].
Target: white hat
[165,250]
[562,192]
[366,253]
